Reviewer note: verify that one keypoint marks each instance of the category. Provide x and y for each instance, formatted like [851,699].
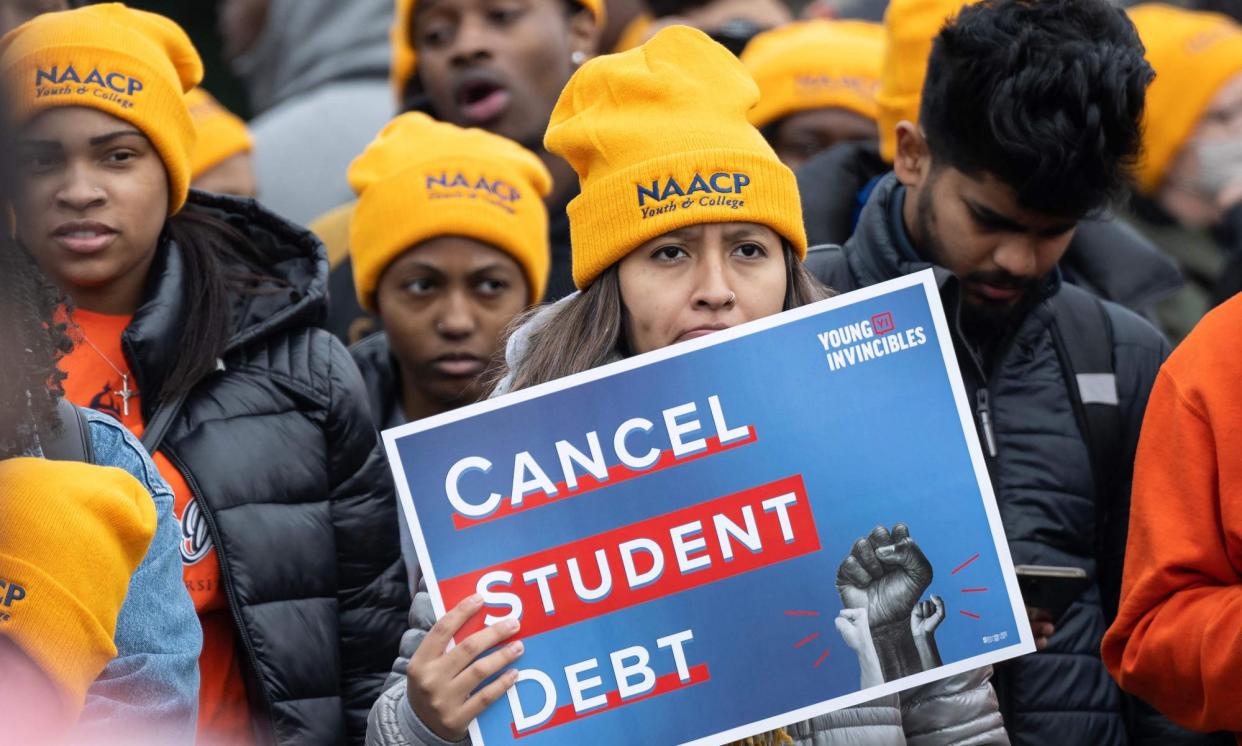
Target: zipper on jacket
[984,409]
[230,592]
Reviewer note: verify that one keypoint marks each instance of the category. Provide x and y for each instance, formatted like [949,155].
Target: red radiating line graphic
[959,567]
[967,613]
[806,639]
[820,659]
[974,590]
[801,613]
[664,684]
[587,483]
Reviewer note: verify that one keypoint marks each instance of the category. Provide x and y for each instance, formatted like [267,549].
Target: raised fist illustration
[927,616]
[886,574]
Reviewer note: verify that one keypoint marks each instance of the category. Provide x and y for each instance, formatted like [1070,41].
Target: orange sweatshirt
[1177,639]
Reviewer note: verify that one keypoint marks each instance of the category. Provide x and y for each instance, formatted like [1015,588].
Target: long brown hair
[589,330]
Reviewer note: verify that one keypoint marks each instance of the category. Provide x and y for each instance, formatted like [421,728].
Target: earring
[578,58]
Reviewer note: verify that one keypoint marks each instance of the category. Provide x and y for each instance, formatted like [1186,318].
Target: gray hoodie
[318,80]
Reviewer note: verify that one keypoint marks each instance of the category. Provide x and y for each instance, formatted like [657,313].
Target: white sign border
[925,279]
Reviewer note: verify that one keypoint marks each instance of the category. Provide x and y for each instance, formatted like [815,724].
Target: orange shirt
[223,714]
[1177,639]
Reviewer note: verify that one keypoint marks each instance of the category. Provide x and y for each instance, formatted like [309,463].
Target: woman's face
[700,279]
[92,198]
[445,304]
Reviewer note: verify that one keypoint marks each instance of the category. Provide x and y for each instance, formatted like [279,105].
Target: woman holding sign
[687,223]
[196,321]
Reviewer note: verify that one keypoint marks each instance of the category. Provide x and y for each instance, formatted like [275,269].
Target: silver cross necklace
[126,393]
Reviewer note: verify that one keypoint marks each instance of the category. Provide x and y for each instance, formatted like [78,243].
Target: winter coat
[959,710]
[1107,257]
[279,451]
[1041,472]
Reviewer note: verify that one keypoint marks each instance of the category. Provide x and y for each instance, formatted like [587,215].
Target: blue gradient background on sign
[877,444]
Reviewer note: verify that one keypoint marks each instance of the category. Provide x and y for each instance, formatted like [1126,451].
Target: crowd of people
[206,322]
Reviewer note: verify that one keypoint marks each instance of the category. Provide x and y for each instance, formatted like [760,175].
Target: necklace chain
[125,393]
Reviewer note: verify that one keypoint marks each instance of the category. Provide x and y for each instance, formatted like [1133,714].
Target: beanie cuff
[618,213]
[55,630]
[455,196]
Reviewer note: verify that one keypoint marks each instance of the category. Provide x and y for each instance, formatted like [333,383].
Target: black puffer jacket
[278,449]
[1107,256]
[1042,475]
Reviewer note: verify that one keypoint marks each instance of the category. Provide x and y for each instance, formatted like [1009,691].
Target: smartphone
[1051,588]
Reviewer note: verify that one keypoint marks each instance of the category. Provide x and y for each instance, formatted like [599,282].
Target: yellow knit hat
[660,140]
[815,65]
[221,133]
[1193,54]
[134,65]
[910,27]
[404,58]
[71,535]
[422,178]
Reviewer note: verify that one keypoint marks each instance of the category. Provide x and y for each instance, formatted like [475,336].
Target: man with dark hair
[1106,256]
[1029,123]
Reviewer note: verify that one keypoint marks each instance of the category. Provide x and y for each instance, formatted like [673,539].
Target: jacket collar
[286,288]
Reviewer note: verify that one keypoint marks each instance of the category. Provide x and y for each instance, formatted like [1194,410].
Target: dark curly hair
[32,342]
[1045,95]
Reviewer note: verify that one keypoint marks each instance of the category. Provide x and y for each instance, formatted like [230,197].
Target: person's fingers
[853,615]
[879,537]
[937,604]
[843,626]
[441,633]
[853,571]
[865,555]
[460,657]
[487,696]
[483,668]
[901,532]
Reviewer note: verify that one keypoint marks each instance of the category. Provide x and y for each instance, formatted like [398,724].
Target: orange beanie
[1193,54]
[815,65]
[910,27]
[134,65]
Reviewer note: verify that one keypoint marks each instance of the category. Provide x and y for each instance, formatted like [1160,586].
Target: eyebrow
[101,139]
[743,231]
[994,219]
[94,141]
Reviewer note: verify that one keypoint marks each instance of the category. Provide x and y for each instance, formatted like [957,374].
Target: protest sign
[727,535]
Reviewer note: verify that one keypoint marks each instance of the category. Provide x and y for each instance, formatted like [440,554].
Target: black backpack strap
[1083,334]
[828,264]
[74,442]
[163,418]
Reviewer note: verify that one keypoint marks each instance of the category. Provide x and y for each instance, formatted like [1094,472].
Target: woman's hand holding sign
[441,683]
[886,574]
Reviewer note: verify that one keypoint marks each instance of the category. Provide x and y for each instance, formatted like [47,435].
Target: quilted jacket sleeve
[961,710]
[371,593]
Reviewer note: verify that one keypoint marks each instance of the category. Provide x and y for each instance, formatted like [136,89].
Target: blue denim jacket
[153,681]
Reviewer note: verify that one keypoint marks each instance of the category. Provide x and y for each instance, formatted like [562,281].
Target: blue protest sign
[725,536]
